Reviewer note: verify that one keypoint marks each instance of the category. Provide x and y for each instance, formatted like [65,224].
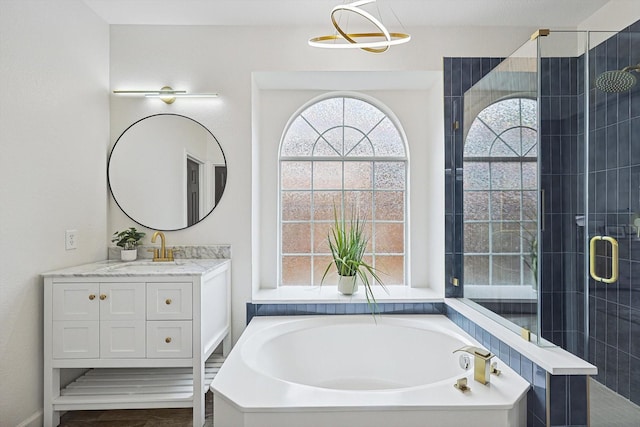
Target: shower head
[618,80]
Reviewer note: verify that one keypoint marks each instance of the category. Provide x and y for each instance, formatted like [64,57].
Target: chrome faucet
[163,254]
[481,363]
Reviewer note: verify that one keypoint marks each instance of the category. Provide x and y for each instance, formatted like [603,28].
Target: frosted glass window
[297,204]
[295,175]
[500,179]
[347,154]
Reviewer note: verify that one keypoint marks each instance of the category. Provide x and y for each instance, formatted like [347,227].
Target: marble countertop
[144,267]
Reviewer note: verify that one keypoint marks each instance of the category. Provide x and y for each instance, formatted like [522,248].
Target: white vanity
[145,331]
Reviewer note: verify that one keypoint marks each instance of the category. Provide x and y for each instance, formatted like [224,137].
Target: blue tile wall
[342,309]
[459,75]
[560,248]
[614,171]
[614,204]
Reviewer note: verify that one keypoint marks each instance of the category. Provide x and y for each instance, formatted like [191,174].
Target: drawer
[169,301]
[169,339]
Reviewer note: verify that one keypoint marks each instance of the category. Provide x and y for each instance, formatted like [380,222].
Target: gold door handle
[167,340]
[614,259]
[167,301]
[92,297]
[103,297]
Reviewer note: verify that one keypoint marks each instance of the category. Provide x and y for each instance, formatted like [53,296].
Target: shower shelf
[105,388]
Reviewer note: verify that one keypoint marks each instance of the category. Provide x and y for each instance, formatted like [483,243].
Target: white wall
[613,16]
[54,130]
[206,58]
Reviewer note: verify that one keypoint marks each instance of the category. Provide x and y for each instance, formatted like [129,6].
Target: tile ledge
[330,294]
[554,360]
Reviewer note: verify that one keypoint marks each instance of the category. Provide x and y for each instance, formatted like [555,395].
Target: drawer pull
[167,340]
[103,297]
[167,301]
[92,297]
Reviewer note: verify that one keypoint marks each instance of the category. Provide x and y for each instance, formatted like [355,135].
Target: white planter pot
[347,285]
[129,254]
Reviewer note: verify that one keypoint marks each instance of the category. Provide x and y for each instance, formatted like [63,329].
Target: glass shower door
[612,238]
[590,236]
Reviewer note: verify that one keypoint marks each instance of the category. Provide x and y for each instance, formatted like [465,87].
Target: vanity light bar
[181,95]
[167,94]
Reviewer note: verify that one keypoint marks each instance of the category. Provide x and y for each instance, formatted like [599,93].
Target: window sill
[330,294]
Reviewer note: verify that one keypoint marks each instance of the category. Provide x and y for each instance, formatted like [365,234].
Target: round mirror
[167,172]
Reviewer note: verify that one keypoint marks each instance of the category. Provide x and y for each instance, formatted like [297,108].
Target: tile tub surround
[559,393]
[563,375]
[180,251]
[304,309]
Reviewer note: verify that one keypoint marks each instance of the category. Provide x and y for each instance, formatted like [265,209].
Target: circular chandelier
[370,42]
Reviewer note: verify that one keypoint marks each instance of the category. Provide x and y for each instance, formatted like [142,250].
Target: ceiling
[535,13]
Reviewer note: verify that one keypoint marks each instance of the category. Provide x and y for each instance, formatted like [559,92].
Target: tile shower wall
[459,75]
[562,303]
[614,204]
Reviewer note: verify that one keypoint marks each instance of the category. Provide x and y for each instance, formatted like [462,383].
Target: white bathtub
[354,371]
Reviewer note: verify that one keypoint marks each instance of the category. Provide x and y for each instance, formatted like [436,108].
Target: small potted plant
[128,240]
[348,242]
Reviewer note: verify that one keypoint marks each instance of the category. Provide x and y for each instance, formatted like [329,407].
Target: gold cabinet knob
[92,297]
[167,340]
[103,297]
[167,301]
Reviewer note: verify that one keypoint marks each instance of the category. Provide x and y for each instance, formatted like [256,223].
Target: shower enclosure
[544,195]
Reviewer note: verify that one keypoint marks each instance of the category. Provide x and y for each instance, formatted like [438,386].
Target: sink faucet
[163,254]
[481,363]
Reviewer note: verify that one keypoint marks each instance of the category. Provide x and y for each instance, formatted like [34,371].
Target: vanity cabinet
[105,320]
[145,336]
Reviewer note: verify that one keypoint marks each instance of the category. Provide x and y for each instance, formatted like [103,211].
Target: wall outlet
[71,239]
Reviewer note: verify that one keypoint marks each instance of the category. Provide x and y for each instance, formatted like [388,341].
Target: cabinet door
[122,301]
[122,339]
[75,339]
[169,339]
[75,301]
[169,301]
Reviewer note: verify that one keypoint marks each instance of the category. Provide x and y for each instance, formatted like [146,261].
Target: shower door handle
[614,259]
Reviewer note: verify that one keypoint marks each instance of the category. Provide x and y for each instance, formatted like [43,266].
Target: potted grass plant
[128,240]
[347,243]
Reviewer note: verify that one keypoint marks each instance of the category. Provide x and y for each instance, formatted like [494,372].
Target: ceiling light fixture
[345,40]
[166,94]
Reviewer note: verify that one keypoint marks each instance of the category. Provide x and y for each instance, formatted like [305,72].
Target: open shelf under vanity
[111,388]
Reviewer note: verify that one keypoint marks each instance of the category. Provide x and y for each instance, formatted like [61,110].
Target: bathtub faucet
[481,362]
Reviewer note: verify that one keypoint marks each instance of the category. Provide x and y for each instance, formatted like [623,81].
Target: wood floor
[181,417]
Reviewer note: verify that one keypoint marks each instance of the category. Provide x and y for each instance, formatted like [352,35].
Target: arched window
[500,196]
[346,153]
